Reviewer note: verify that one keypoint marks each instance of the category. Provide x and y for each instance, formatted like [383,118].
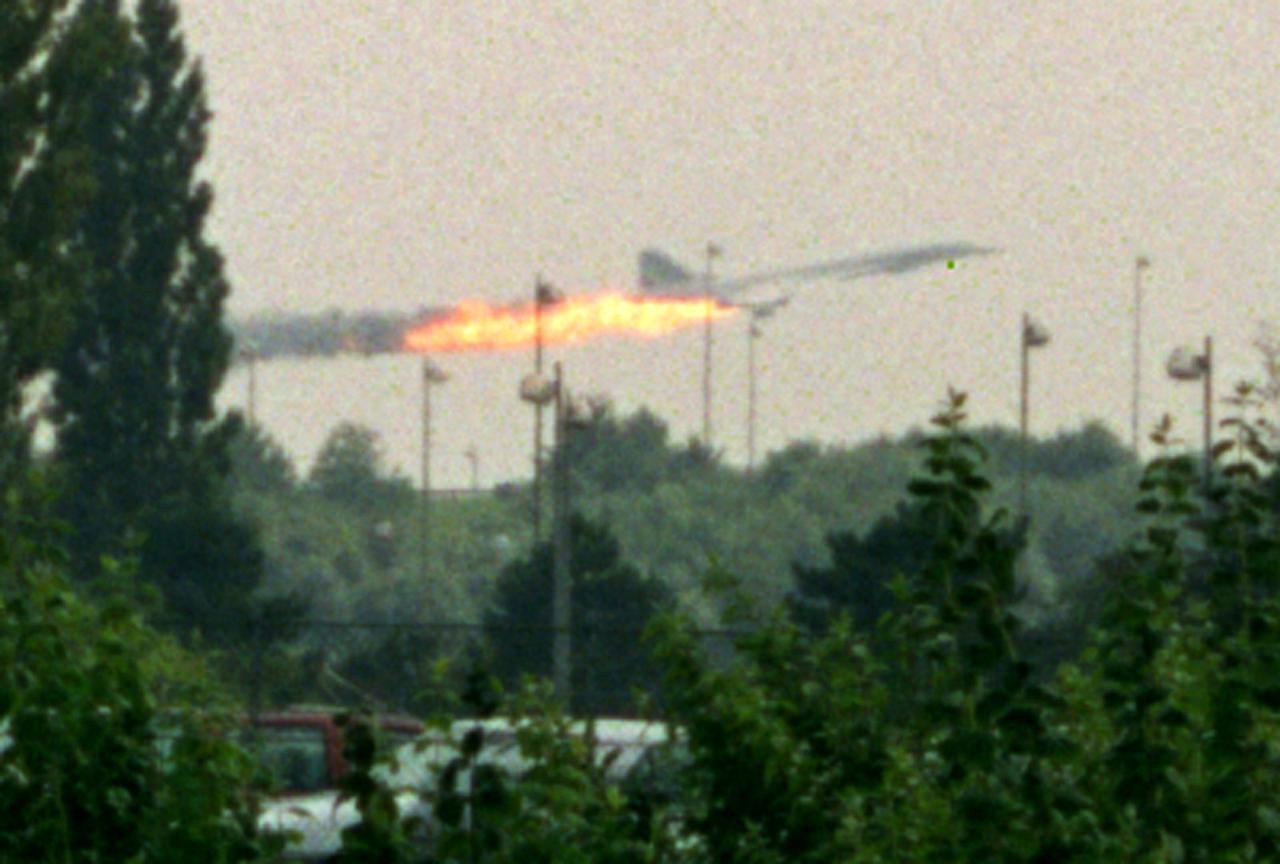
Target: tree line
[933,733]
[819,527]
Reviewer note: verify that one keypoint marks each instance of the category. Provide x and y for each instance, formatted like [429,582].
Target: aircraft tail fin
[660,274]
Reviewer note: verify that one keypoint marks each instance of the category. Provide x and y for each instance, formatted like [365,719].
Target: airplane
[333,332]
[662,276]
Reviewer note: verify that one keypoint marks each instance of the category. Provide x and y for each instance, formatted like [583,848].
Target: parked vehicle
[632,753]
[301,749]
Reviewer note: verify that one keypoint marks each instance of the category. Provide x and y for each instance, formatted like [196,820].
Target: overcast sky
[396,153]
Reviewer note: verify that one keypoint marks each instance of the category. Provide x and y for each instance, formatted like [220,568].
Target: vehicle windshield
[294,756]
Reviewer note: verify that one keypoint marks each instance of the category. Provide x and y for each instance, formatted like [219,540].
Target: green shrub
[928,736]
[94,766]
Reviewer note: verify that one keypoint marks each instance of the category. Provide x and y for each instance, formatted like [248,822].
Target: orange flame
[477,326]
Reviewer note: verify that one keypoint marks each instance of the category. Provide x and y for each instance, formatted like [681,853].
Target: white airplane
[334,332]
[662,276]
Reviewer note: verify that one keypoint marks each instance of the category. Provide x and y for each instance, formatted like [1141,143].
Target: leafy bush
[928,738]
[928,735]
[535,787]
[106,753]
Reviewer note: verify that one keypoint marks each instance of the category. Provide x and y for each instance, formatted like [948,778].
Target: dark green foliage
[616,455]
[348,470]
[547,797]
[259,464]
[393,668]
[141,454]
[786,468]
[1094,449]
[42,179]
[198,556]
[1157,746]
[107,749]
[611,607]
[44,183]
[858,578]
[379,837]
[669,521]
[929,738]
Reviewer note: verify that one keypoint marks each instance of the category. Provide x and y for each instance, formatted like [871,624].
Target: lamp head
[1185,365]
[537,389]
[433,374]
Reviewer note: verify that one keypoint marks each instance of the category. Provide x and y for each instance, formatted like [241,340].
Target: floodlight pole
[1140,264]
[1033,336]
[1022,414]
[1185,367]
[542,295]
[712,251]
[473,457]
[561,578]
[753,333]
[1207,365]
[431,375]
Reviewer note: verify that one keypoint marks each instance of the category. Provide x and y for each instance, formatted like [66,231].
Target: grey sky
[393,153]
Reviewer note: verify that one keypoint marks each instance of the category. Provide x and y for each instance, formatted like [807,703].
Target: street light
[713,252]
[1140,264]
[543,295]
[431,375]
[759,312]
[473,457]
[1185,365]
[541,391]
[1034,335]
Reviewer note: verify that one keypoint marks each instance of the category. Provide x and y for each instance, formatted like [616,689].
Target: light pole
[1034,335]
[431,375]
[753,333]
[561,575]
[1140,264]
[759,312]
[708,277]
[537,390]
[473,457]
[1184,365]
[543,295]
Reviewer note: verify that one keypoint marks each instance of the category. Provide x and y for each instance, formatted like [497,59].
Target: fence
[435,666]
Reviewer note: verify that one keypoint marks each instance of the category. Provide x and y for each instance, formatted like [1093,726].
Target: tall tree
[612,603]
[259,465]
[43,186]
[348,470]
[858,578]
[612,454]
[138,438]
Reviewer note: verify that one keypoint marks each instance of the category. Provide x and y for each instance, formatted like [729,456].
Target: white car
[314,823]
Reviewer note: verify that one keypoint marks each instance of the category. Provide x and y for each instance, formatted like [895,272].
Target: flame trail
[478,326]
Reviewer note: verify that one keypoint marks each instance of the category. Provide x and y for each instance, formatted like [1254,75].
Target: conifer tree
[143,453]
[612,602]
[43,183]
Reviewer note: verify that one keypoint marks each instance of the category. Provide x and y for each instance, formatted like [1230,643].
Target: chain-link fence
[427,667]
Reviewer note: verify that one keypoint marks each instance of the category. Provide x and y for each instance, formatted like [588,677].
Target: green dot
[951,265]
